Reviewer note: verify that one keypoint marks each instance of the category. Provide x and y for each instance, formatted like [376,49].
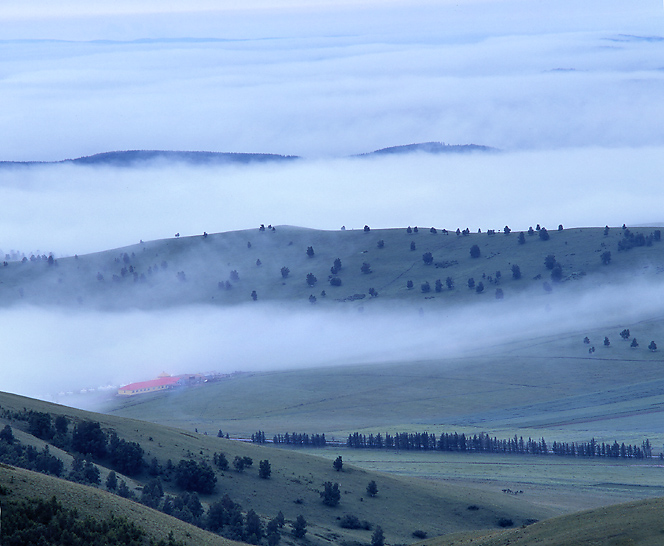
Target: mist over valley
[370,273]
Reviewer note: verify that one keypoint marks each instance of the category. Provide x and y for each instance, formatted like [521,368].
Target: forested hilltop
[423,265]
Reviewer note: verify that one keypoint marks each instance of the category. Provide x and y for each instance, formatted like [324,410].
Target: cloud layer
[68,209]
[326,81]
[571,91]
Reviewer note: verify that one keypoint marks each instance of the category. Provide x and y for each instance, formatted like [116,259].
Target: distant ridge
[130,158]
[431,148]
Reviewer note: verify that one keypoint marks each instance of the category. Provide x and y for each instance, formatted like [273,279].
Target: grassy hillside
[20,484]
[637,523]
[401,506]
[188,270]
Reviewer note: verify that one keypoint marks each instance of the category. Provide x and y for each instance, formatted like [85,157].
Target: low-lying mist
[69,209]
[48,352]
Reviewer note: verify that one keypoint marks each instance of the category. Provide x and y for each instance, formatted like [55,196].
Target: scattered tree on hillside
[449,282]
[310,251]
[234,275]
[550,261]
[220,459]
[378,537]
[652,346]
[253,532]
[606,257]
[480,287]
[522,238]
[366,268]
[471,283]
[531,231]
[426,287]
[439,285]
[409,230]
[373,293]
[272,532]
[606,231]
[507,230]
[193,476]
[61,424]
[84,472]
[625,334]
[335,281]
[240,463]
[560,227]
[543,234]
[258,263]
[409,285]
[380,243]
[372,489]
[336,266]
[427,258]
[311,279]
[284,272]
[300,527]
[88,438]
[330,494]
[126,457]
[586,340]
[634,343]
[557,272]
[367,228]
[254,296]
[474,251]
[606,341]
[433,230]
[415,229]
[112,481]
[412,245]
[338,463]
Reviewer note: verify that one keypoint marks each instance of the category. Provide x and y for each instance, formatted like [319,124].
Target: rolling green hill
[637,523]
[225,268]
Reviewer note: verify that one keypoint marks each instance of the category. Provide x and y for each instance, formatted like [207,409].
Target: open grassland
[402,505]
[560,483]
[632,524]
[545,387]
[549,387]
[190,270]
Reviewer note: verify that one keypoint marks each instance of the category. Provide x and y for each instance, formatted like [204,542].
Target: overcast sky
[571,92]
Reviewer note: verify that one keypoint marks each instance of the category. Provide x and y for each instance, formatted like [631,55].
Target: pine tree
[300,527]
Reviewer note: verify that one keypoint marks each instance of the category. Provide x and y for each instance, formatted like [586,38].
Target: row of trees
[300,439]
[483,443]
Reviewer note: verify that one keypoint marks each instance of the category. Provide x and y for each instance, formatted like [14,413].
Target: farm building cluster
[166,381]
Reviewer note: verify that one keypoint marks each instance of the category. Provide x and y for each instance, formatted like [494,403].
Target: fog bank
[50,351]
[70,209]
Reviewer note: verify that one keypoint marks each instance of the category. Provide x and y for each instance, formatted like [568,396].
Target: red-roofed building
[154,385]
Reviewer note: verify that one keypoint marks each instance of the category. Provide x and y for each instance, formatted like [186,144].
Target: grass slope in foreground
[401,506]
[631,524]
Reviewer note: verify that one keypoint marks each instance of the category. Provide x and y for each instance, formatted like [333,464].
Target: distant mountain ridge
[129,158]
[431,148]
